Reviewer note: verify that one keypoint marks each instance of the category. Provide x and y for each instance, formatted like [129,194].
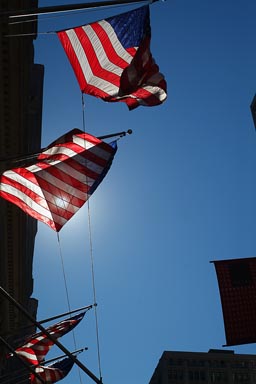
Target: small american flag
[54,372]
[62,178]
[38,345]
[111,59]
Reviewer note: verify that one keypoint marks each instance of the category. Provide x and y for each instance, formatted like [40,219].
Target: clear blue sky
[180,193]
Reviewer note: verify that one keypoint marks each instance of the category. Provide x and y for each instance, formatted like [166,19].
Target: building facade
[215,366]
[21,94]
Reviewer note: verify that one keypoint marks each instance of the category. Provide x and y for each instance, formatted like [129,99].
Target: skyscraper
[214,366]
[21,90]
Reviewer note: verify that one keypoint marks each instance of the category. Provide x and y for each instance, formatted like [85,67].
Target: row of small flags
[34,349]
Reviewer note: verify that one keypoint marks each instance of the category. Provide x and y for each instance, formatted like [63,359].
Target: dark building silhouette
[21,90]
[215,366]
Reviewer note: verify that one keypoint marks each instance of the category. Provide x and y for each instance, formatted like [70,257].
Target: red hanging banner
[237,286]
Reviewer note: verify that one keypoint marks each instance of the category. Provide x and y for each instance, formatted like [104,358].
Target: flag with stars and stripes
[111,59]
[54,372]
[237,287]
[34,349]
[61,179]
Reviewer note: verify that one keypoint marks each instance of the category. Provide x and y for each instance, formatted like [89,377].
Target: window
[241,377]
[218,376]
[171,361]
[175,375]
[197,375]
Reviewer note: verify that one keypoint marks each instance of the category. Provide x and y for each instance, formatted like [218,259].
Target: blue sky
[180,192]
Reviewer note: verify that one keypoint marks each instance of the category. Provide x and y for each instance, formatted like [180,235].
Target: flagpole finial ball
[129,131]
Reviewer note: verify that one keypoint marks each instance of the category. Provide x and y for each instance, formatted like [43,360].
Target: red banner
[237,286]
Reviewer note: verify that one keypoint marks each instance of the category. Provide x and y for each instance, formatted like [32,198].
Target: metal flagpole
[42,363]
[29,367]
[62,356]
[121,134]
[61,315]
[66,313]
[32,156]
[55,341]
[66,8]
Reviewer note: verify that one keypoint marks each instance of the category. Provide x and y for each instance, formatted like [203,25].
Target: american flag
[237,286]
[61,179]
[54,372]
[111,59]
[38,345]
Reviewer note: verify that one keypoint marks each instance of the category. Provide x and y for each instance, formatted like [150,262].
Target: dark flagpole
[29,367]
[42,363]
[32,156]
[62,314]
[62,356]
[66,8]
[120,134]
[47,334]
[66,313]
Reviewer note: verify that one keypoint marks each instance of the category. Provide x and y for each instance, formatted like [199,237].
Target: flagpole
[29,367]
[33,155]
[62,356]
[66,313]
[65,8]
[49,336]
[78,351]
[62,314]
[121,134]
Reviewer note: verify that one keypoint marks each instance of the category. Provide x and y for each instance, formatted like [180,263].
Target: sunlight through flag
[111,59]
[61,179]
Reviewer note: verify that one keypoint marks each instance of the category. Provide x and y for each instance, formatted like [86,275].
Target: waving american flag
[111,59]
[38,345]
[61,179]
[54,372]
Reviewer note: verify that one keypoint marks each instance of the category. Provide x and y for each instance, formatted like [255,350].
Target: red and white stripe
[54,188]
[100,61]
[49,375]
[37,346]
[54,372]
